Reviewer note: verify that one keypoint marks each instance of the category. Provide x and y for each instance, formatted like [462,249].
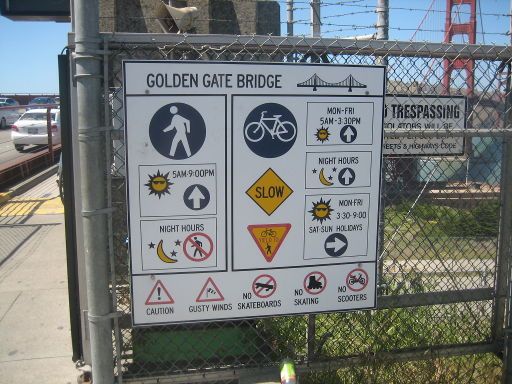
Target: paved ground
[7,151]
[35,341]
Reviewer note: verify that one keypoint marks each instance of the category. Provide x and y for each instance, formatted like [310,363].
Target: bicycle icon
[270,130]
[285,131]
[268,232]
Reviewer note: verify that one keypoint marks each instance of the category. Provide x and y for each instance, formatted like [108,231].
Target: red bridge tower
[451,29]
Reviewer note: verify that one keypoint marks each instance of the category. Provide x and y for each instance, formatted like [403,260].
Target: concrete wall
[215,16]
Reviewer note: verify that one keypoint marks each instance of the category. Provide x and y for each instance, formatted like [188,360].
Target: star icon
[330,178]
[177,242]
[334,169]
[314,170]
[174,253]
[151,245]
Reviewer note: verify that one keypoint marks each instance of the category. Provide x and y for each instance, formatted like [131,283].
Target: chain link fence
[442,263]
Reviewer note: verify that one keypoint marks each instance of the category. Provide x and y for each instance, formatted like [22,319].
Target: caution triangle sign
[269,237]
[159,295]
[210,292]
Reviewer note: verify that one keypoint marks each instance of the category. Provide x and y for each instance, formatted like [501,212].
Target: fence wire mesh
[440,315]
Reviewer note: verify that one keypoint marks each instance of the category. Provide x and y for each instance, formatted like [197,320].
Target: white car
[8,111]
[31,128]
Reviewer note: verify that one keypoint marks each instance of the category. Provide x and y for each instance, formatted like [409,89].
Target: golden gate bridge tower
[451,29]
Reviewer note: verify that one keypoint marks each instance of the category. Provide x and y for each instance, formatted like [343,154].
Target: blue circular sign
[270,130]
[196,197]
[336,244]
[177,131]
[346,176]
[348,134]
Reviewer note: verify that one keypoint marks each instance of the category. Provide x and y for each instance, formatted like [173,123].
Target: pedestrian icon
[270,130]
[315,283]
[182,127]
[348,134]
[177,131]
[198,246]
[336,244]
[196,197]
[346,176]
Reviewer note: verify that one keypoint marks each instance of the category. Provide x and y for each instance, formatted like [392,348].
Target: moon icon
[323,180]
[161,254]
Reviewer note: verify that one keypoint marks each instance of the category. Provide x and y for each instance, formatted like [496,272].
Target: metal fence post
[504,283]
[382,19]
[382,34]
[49,133]
[315,18]
[289,13]
[93,184]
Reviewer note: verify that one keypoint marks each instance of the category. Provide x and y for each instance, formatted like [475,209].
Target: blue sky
[29,49]
[29,55]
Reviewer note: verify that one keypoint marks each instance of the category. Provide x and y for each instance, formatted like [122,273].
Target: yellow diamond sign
[269,191]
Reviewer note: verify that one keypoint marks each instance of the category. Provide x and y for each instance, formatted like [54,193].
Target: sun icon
[158,184]
[322,134]
[321,211]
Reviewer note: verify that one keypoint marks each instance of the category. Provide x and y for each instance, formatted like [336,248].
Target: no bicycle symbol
[264,286]
[177,131]
[198,246]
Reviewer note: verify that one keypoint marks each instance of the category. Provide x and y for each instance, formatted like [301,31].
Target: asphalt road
[7,151]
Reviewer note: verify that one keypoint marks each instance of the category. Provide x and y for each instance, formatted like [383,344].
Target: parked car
[31,128]
[8,114]
[8,102]
[41,101]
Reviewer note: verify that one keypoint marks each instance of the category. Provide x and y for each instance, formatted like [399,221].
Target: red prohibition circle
[322,277]
[201,249]
[261,286]
[347,281]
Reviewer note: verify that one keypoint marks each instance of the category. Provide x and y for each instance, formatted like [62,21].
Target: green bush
[481,221]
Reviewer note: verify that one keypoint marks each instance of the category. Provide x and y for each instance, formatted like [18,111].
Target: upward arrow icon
[196,196]
[346,176]
[348,135]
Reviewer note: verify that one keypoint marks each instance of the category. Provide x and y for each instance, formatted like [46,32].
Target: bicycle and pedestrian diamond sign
[292,151]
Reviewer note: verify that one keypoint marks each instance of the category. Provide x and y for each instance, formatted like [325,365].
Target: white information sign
[424,113]
[253,189]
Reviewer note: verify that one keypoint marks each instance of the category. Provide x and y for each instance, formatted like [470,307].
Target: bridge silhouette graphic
[316,82]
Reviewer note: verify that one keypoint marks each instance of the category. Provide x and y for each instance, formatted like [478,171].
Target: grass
[429,231]
[476,369]
[366,333]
